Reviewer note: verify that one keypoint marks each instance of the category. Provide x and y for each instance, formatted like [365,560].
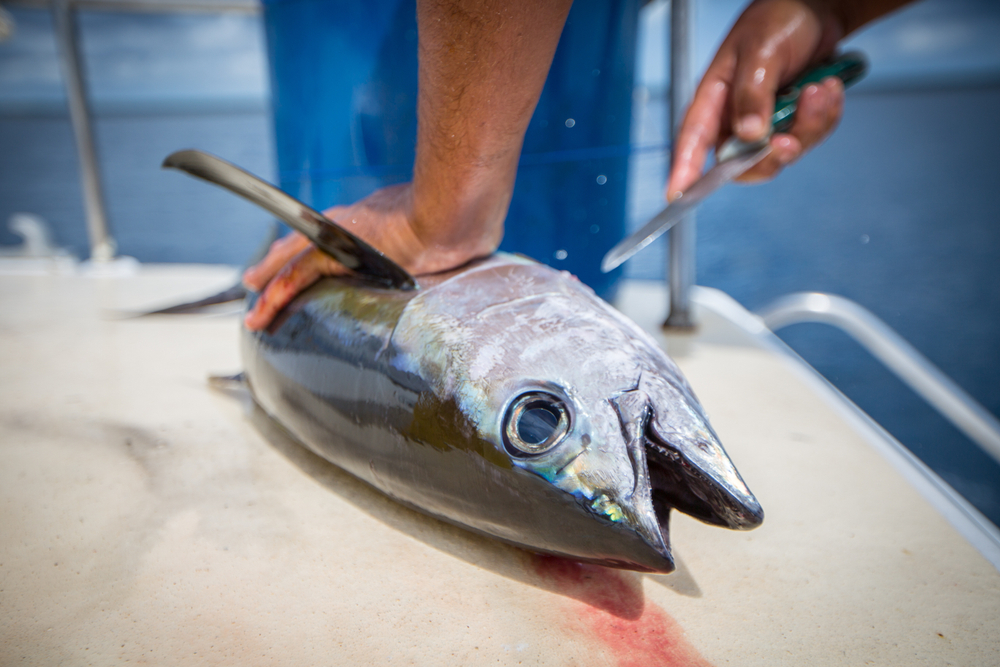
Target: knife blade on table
[735,157]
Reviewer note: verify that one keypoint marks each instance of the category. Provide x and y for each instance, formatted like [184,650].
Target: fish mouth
[685,469]
[677,483]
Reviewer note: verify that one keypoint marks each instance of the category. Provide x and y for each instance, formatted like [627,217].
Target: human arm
[482,66]
[771,43]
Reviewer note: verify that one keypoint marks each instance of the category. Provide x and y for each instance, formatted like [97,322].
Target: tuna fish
[505,397]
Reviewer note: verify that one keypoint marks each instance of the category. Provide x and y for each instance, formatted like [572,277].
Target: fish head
[629,446]
[578,396]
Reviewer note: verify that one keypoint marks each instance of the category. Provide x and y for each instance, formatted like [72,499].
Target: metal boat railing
[102,242]
[681,249]
[909,365]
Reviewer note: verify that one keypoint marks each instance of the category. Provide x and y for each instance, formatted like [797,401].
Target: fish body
[504,397]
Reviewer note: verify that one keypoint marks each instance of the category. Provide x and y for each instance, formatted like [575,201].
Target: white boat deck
[149,519]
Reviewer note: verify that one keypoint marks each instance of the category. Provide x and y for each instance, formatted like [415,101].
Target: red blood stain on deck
[614,592]
[608,607]
[652,639]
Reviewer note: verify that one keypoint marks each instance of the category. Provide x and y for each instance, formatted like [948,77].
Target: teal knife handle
[849,67]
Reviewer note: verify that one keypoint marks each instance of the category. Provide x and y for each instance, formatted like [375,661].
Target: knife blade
[714,178]
[357,255]
[735,157]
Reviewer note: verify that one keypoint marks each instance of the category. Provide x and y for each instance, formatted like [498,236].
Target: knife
[361,258]
[736,157]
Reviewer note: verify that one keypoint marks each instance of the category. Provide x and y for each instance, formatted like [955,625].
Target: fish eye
[535,423]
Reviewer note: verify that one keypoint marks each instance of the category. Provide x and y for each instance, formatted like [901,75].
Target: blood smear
[609,606]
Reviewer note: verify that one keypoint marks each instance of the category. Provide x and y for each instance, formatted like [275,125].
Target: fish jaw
[689,472]
[688,467]
[627,509]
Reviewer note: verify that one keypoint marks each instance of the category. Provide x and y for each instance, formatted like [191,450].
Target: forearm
[482,69]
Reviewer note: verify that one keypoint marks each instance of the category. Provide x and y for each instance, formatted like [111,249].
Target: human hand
[387,221]
[481,71]
[771,43]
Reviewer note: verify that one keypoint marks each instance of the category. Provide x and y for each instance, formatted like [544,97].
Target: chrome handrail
[681,249]
[102,241]
[909,365]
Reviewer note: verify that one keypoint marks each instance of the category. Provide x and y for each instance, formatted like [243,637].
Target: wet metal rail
[899,356]
[680,264]
[102,242]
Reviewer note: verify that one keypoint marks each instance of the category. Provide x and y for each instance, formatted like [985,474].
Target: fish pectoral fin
[232,293]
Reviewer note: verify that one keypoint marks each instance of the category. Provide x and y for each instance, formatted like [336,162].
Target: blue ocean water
[155,215]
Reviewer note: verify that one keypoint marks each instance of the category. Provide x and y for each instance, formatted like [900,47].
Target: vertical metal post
[102,245]
[681,256]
